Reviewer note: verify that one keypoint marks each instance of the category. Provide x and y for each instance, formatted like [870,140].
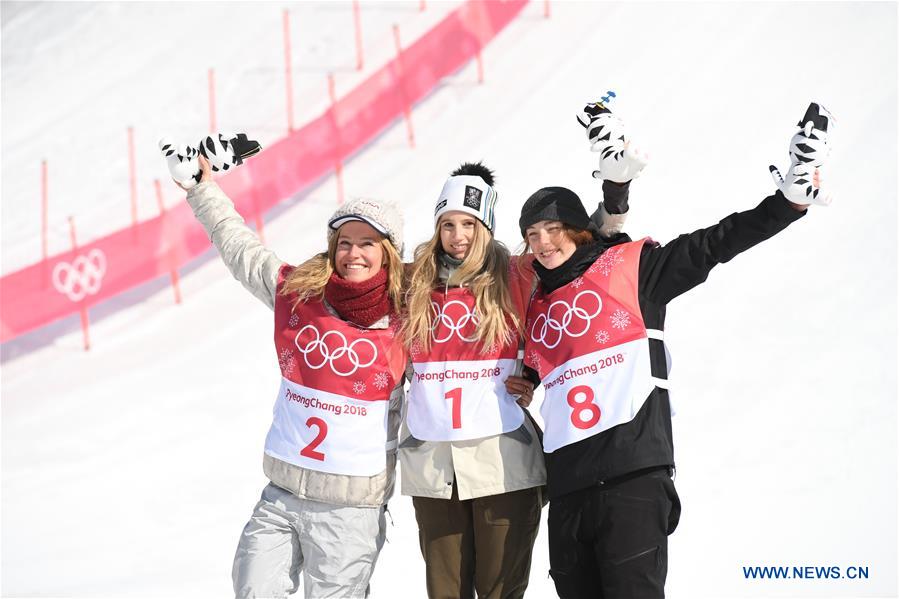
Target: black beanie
[554,203]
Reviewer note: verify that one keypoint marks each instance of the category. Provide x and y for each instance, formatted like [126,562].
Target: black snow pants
[610,541]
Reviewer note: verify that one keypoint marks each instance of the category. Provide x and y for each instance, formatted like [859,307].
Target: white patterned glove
[182,162]
[809,149]
[619,160]
[620,164]
[223,151]
[227,150]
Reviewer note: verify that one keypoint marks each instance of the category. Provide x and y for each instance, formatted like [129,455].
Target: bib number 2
[580,398]
[309,451]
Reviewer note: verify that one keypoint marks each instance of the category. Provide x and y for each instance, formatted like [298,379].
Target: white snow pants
[334,546]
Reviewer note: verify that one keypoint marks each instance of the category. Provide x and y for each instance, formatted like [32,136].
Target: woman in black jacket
[594,335]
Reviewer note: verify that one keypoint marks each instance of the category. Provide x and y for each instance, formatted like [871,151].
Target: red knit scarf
[362,303]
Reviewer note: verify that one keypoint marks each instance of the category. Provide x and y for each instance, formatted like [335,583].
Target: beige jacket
[256,267]
[480,467]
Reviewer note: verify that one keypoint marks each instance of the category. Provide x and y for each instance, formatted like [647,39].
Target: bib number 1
[580,398]
[456,396]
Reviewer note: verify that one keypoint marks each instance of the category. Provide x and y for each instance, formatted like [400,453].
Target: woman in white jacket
[330,453]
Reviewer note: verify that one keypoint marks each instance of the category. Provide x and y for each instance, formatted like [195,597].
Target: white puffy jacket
[256,267]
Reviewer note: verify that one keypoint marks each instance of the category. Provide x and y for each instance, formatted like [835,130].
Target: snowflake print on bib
[607,261]
[620,319]
[381,381]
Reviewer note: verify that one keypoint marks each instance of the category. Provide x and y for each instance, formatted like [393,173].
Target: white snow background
[130,470]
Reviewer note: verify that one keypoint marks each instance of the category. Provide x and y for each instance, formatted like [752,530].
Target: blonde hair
[308,280]
[485,271]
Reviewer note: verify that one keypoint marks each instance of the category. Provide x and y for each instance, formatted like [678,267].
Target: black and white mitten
[619,159]
[223,151]
[809,149]
[182,162]
[227,150]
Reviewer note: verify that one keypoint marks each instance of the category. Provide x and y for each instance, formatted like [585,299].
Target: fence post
[288,71]
[133,176]
[85,322]
[44,210]
[211,77]
[357,23]
[480,66]
[338,157]
[173,269]
[399,61]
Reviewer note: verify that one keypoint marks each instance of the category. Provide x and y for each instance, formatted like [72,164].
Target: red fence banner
[60,285]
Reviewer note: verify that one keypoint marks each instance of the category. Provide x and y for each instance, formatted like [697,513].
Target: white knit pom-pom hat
[469,194]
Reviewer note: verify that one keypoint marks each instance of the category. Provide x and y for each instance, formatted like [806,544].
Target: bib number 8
[586,396]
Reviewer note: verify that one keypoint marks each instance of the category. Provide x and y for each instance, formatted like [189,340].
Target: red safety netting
[61,285]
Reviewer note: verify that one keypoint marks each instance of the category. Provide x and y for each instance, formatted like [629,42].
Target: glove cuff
[609,224]
[615,196]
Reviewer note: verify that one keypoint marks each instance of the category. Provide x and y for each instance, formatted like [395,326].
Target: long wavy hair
[485,271]
[308,280]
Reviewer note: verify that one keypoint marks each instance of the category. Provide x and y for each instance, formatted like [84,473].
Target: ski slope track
[90,273]
[130,470]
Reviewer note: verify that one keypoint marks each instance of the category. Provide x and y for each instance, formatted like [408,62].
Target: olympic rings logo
[82,277]
[548,322]
[322,353]
[451,326]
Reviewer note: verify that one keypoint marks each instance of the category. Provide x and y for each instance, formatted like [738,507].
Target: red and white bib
[458,389]
[588,342]
[331,411]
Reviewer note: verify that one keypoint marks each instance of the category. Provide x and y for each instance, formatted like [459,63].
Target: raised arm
[611,213]
[666,272]
[250,262]
[685,262]
[619,162]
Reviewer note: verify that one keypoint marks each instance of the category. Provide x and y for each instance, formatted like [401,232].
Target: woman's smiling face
[359,255]
[550,243]
[456,233]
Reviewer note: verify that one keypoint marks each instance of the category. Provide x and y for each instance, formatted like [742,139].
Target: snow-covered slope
[130,470]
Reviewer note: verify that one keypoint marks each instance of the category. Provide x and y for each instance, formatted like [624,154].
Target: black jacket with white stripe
[665,272]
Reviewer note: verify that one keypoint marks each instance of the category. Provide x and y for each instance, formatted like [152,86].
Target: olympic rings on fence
[561,326]
[453,326]
[82,277]
[330,356]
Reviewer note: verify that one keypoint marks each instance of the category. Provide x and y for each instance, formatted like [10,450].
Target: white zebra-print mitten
[182,162]
[809,149]
[619,160]
[227,150]
[223,151]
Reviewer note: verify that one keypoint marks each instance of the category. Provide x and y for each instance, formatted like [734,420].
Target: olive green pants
[478,545]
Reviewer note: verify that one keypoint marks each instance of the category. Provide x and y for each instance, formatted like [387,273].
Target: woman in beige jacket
[471,458]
